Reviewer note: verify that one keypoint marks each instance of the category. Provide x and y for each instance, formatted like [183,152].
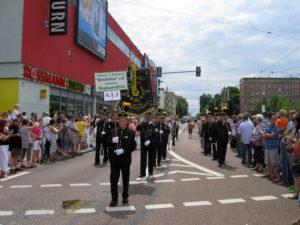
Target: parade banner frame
[111,81]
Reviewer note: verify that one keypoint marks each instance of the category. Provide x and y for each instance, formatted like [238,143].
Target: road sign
[112,96]
[111,81]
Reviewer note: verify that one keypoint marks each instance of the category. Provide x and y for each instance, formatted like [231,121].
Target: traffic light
[198,71]
[159,71]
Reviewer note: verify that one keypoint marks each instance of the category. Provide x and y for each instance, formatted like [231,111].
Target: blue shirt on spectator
[272,144]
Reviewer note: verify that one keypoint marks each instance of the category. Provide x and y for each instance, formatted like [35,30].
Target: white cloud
[201,34]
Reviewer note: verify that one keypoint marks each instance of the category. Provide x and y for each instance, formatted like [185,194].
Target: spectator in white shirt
[244,134]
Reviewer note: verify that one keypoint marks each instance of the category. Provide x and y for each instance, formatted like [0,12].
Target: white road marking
[164,181]
[264,198]
[138,182]
[6,213]
[180,165]
[175,160]
[21,186]
[39,212]
[179,132]
[190,179]
[87,210]
[200,203]
[120,209]
[214,178]
[258,174]
[287,195]
[206,170]
[239,176]
[80,185]
[159,206]
[230,201]
[188,172]
[158,175]
[163,166]
[50,185]
[104,184]
[14,176]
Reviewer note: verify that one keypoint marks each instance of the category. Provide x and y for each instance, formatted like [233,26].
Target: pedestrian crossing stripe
[120,209]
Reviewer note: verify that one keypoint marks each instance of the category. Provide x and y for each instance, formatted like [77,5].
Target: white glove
[103,132]
[229,133]
[147,143]
[161,132]
[119,151]
[115,140]
[210,139]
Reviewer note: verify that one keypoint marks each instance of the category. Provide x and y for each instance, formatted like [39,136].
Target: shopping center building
[44,71]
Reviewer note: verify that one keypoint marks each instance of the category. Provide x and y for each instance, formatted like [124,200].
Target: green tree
[182,107]
[234,100]
[277,103]
[258,106]
[204,99]
[297,105]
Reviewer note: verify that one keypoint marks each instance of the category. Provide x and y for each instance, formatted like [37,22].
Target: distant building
[225,96]
[253,90]
[167,101]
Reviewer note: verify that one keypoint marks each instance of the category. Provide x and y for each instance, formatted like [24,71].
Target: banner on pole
[111,81]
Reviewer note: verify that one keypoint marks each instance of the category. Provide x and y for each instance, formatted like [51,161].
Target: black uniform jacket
[126,142]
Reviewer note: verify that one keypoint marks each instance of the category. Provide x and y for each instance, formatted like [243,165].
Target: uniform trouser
[207,146]
[222,148]
[97,156]
[158,152]
[215,150]
[147,152]
[115,169]
[164,149]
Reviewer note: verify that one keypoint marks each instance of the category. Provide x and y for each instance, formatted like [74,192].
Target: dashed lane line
[200,203]
[14,176]
[39,212]
[231,201]
[80,185]
[190,179]
[50,185]
[179,165]
[84,211]
[160,206]
[104,184]
[239,176]
[264,198]
[287,195]
[164,181]
[214,178]
[21,186]
[188,172]
[6,213]
[138,182]
[120,209]
[204,169]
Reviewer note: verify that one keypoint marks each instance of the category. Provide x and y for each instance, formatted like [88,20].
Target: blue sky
[229,39]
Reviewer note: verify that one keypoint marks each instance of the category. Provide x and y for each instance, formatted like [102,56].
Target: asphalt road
[188,190]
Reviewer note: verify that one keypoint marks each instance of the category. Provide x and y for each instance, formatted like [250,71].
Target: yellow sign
[43,93]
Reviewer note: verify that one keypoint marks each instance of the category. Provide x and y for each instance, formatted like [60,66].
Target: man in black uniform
[214,136]
[166,131]
[223,137]
[121,143]
[101,138]
[158,142]
[147,134]
[206,135]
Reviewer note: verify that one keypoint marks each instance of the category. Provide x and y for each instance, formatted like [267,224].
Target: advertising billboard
[92,26]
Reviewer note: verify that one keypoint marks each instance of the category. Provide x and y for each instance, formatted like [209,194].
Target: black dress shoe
[125,201]
[113,203]
[96,163]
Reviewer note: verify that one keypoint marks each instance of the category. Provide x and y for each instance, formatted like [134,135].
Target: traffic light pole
[159,72]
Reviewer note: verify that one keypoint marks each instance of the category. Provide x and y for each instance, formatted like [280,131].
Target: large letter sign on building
[58,17]
[112,81]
